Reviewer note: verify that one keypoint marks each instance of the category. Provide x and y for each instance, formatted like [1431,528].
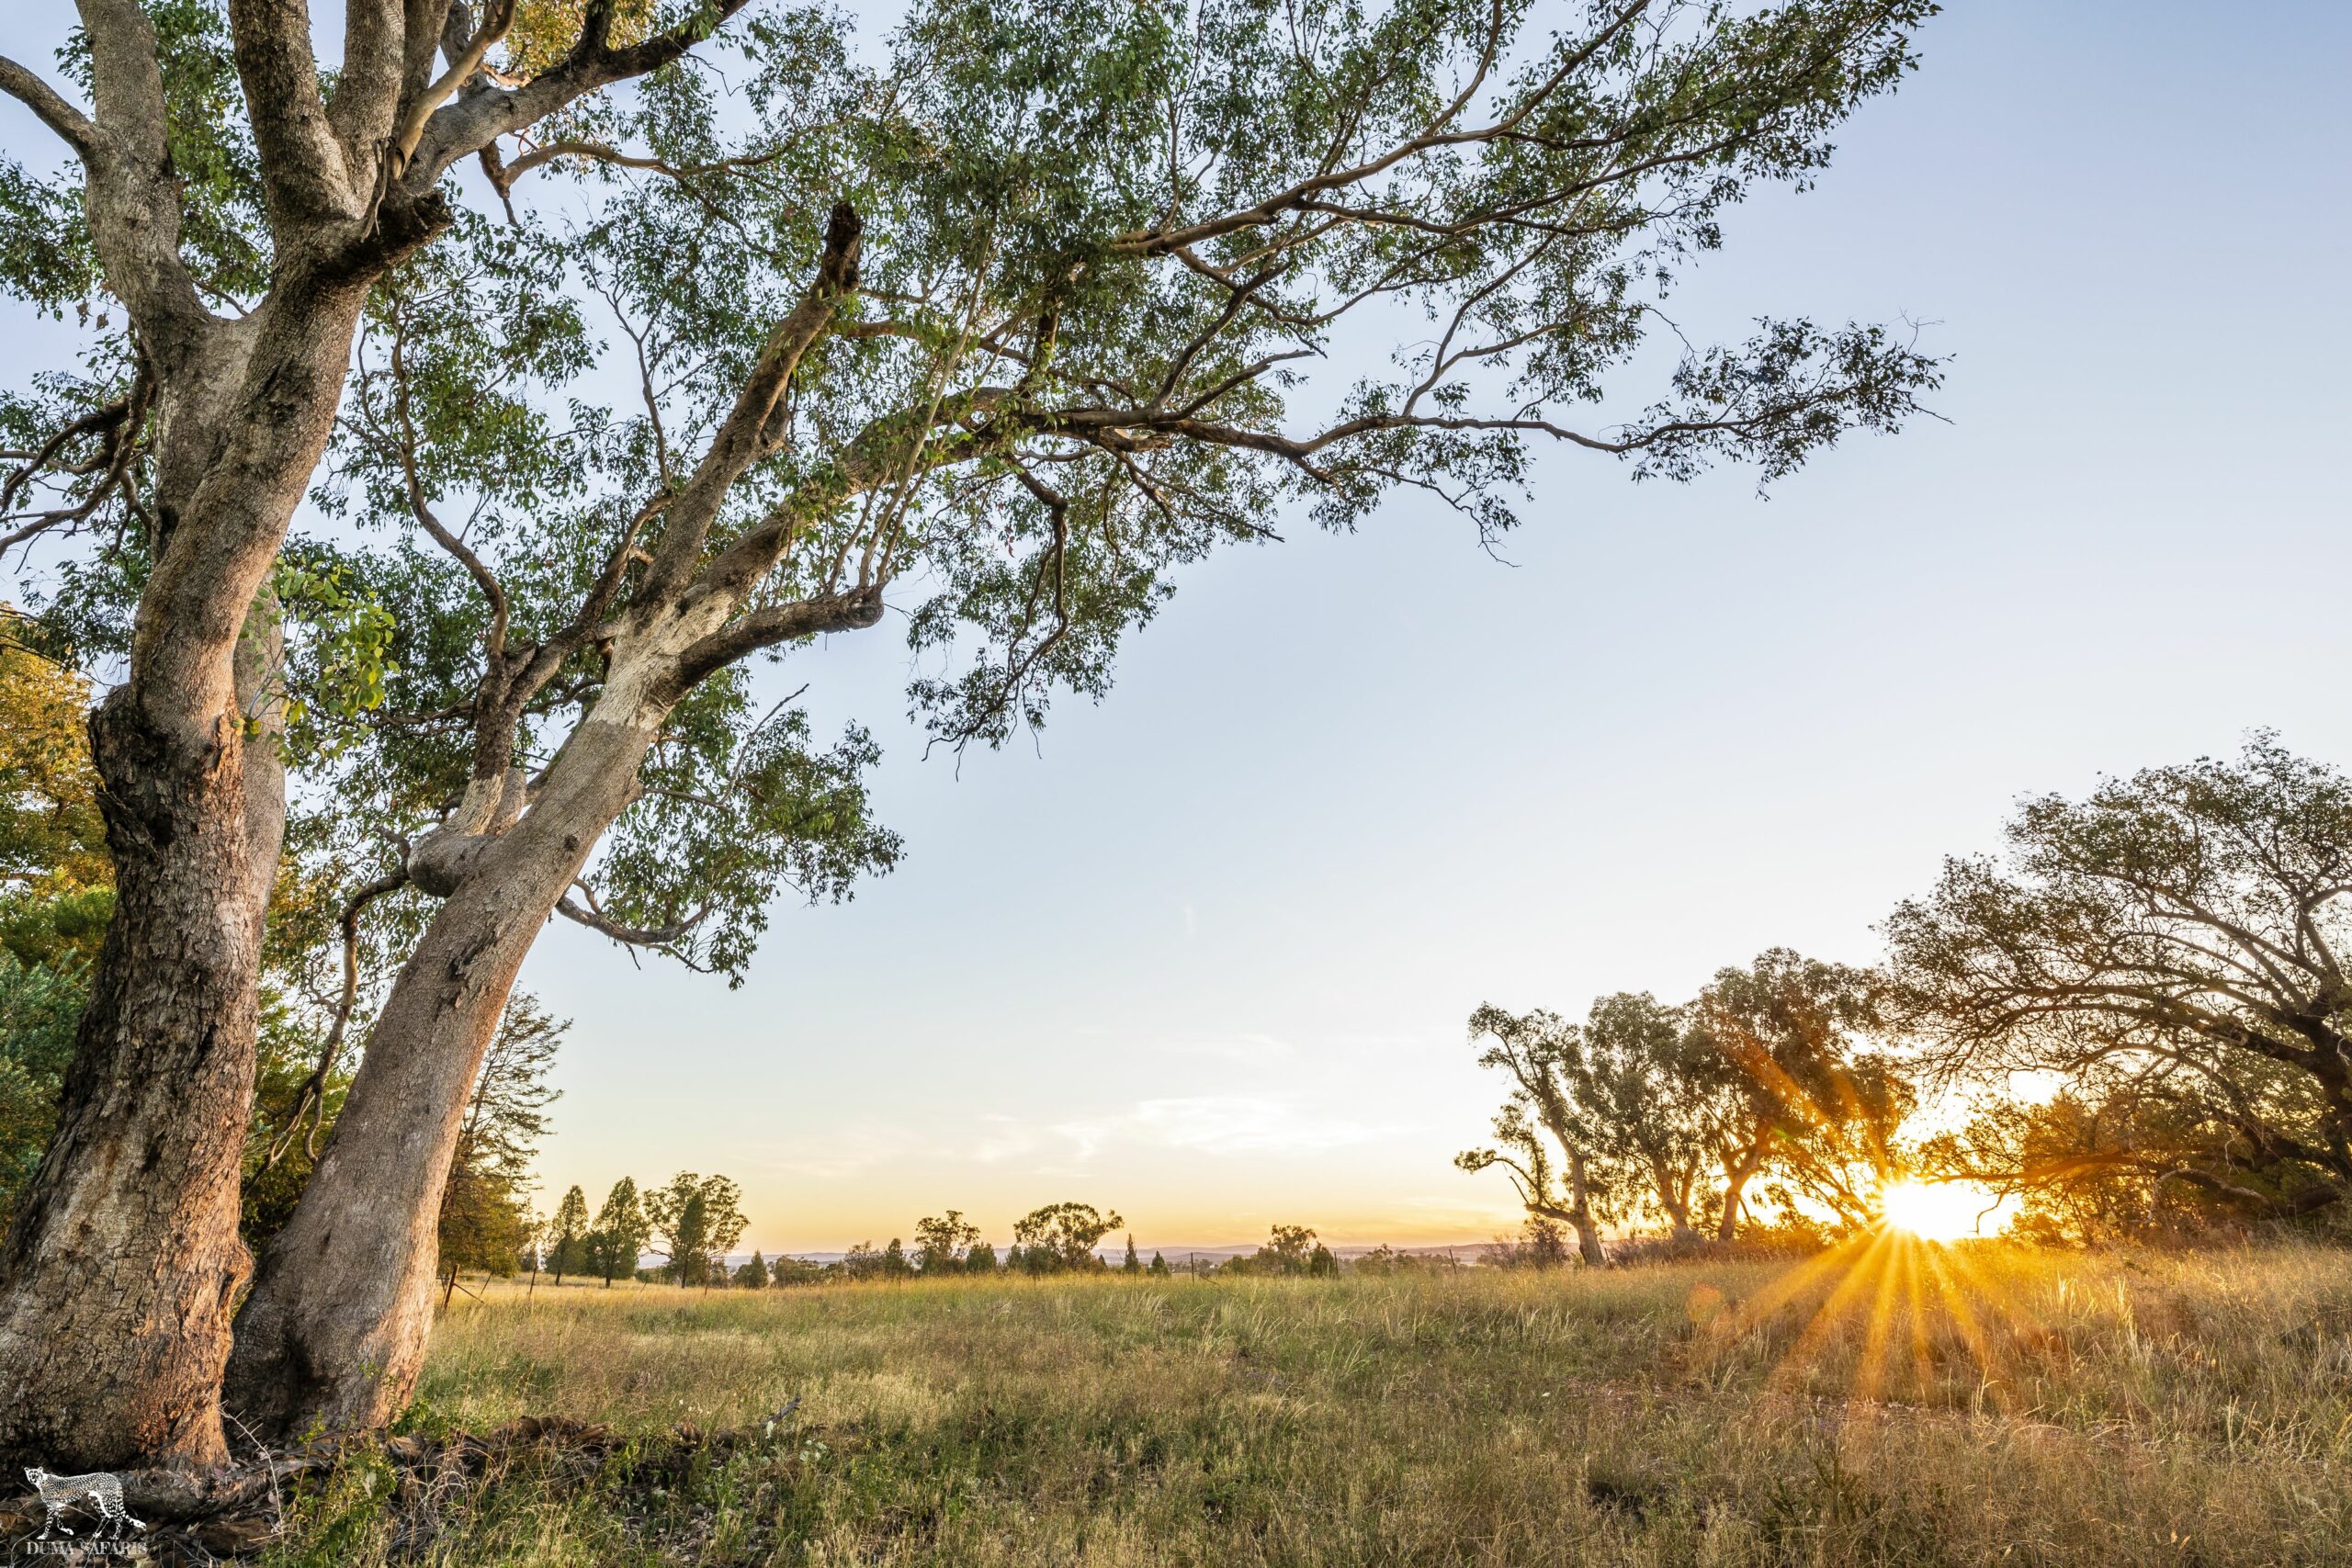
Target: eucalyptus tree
[1629,1099]
[2172,946]
[697,1219]
[1789,1030]
[1063,1236]
[1566,1178]
[1038,314]
[1649,1093]
[943,1242]
[228,206]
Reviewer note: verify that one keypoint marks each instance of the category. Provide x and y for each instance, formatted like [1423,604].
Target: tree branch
[741,437]
[776,623]
[79,132]
[303,173]
[476,119]
[596,920]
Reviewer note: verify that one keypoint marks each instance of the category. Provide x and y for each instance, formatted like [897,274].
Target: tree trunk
[123,1264]
[1580,1213]
[1737,1172]
[1727,1227]
[334,1333]
[1675,1202]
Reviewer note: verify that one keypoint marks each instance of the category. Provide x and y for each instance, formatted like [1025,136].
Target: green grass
[2181,1409]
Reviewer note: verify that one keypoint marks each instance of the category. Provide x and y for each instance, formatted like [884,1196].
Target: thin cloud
[1219,1124]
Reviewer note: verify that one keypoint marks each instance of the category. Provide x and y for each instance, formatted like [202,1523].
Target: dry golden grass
[1979,1405]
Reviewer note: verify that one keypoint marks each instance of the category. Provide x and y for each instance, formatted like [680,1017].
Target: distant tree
[1323,1263]
[621,1233]
[1063,1236]
[1541,1244]
[1287,1251]
[695,1219]
[484,1214]
[894,1261]
[1542,1054]
[1644,1093]
[753,1274]
[1159,1266]
[980,1260]
[1015,1261]
[1789,1030]
[862,1262]
[942,1241]
[533,1256]
[786,1269]
[2174,945]
[566,1233]
[1131,1264]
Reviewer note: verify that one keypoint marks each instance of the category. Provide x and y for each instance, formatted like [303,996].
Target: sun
[1941,1211]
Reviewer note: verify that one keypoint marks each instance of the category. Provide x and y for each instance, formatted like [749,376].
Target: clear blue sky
[1205,953]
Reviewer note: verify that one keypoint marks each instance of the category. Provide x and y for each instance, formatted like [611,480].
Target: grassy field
[1891,1403]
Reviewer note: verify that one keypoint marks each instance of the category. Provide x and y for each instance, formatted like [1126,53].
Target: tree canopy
[2172,946]
[1106,263]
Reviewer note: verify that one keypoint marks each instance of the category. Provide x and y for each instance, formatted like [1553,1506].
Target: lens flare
[1941,1211]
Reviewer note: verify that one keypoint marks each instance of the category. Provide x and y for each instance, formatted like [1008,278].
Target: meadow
[1892,1403]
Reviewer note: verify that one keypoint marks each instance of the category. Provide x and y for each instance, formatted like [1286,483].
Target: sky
[1204,954]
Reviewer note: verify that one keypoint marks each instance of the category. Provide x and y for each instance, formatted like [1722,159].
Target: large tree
[1678,1112]
[1550,1152]
[1024,318]
[1021,324]
[1803,1090]
[1649,1092]
[2173,946]
[1063,1236]
[235,202]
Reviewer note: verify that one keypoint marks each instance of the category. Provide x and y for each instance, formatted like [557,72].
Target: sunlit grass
[1893,1402]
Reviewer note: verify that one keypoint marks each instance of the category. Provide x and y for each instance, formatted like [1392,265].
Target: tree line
[1011,318]
[1059,1239]
[2166,951]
